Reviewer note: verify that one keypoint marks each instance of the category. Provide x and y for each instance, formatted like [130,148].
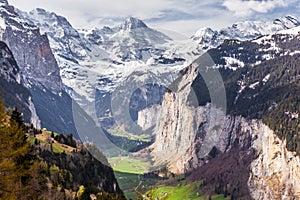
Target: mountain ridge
[258,94]
[132,23]
[101,59]
[208,38]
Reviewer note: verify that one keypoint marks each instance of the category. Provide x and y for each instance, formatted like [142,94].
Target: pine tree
[17,117]
[17,161]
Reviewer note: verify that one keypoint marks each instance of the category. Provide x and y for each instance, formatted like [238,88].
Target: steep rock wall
[187,137]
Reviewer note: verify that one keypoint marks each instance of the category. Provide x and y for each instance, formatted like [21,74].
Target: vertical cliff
[39,71]
[31,50]
[11,89]
[275,172]
[176,127]
[233,154]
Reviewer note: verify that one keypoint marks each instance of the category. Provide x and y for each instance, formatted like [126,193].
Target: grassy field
[129,173]
[134,185]
[179,192]
[49,132]
[122,133]
[44,137]
[128,182]
[128,165]
[175,192]
[58,148]
[219,197]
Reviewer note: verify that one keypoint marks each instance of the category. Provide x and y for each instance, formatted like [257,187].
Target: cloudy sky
[182,16]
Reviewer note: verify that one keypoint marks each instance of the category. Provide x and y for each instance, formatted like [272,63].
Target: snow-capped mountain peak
[287,21]
[247,30]
[38,16]
[132,23]
[204,35]
[90,58]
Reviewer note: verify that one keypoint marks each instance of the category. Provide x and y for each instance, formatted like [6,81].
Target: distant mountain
[132,23]
[127,45]
[208,38]
[134,40]
[93,63]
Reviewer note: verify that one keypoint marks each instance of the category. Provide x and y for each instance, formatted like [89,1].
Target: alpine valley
[131,111]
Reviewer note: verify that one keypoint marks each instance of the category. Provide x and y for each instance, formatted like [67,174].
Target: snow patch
[254,85]
[295,52]
[18,78]
[267,57]
[266,78]
[292,31]
[263,40]
[2,24]
[242,85]
[233,63]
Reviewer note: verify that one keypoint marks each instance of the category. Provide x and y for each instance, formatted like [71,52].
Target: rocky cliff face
[39,71]
[12,91]
[275,172]
[31,49]
[176,118]
[190,137]
[9,69]
[148,117]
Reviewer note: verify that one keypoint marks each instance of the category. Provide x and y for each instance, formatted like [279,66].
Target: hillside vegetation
[269,91]
[34,165]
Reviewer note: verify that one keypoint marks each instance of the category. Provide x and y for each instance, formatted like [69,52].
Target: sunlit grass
[128,165]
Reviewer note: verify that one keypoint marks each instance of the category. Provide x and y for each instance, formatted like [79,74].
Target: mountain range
[94,62]
[221,106]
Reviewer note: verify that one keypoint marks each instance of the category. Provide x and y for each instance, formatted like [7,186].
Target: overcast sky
[182,16]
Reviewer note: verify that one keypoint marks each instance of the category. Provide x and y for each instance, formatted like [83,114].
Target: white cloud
[248,7]
[103,8]
[174,14]
[184,16]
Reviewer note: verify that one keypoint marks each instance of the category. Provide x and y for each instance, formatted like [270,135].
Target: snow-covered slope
[103,58]
[208,38]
